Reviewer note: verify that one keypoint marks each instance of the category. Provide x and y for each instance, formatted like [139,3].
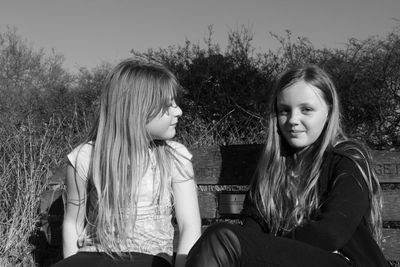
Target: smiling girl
[127,179]
[314,200]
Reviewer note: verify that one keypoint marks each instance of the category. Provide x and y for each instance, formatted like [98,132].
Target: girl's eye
[283,112]
[172,103]
[307,110]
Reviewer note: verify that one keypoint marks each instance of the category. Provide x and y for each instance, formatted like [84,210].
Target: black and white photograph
[199,133]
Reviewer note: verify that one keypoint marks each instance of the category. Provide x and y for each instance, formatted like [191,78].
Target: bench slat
[235,164]
[391,205]
[391,244]
[216,204]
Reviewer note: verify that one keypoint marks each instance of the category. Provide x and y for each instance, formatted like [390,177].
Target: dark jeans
[88,259]
[228,245]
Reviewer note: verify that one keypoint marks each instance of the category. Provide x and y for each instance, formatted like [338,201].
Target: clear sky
[88,32]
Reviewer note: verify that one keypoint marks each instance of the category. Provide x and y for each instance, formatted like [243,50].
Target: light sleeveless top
[153,232]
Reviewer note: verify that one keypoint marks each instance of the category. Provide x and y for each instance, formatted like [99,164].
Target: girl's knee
[218,246]
[223,234]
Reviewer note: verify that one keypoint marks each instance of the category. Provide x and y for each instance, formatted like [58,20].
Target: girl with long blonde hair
[128,179]
[315,200]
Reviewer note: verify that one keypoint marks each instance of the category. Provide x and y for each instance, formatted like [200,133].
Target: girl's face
[162,127]
[302,114]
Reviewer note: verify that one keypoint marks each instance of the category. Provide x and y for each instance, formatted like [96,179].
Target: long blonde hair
[134,93]
[285,201]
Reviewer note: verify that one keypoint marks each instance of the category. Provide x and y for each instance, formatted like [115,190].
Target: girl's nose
[176,111]
[293,118]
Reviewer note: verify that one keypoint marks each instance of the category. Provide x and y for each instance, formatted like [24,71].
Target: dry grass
[194,132]
[27,154]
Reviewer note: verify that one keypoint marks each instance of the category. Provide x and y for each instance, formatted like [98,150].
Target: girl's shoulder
[351,148]
[82,150]
[179,150]
[80,158]
[347,157]
[354,151]
[182,169]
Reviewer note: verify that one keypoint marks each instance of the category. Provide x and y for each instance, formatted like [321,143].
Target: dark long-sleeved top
[341,223]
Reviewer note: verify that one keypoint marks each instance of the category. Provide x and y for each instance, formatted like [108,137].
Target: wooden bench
[222,175]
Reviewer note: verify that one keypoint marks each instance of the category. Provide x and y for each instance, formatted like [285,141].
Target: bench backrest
[223,174]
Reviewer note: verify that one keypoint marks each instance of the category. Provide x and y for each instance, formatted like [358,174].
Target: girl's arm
[342,212]
[75,211]
[187,215]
